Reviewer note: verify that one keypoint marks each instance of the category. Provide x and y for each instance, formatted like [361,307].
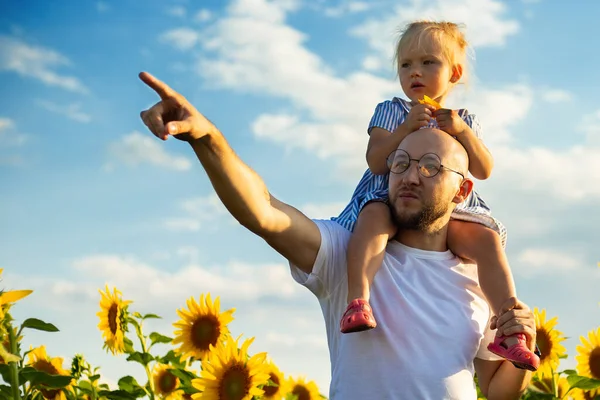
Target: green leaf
[153,316]
[34,323]
[136,315]
[569,372]
[185,376]
[172,358]
[583,382]
[129,384]
[117,395]
[5,373]
[36,377]
[6,391]
[84,386]
[128,345]
[94,378]
[142,358]
[156,337]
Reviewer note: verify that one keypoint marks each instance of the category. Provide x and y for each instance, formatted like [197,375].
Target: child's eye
[428,62]
[404,65]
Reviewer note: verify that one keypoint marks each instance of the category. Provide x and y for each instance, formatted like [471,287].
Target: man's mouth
[408,195]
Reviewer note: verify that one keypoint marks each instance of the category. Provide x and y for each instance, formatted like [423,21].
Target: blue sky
[89,197]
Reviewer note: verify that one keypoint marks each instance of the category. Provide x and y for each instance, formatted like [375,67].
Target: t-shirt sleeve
[386,116]
[329,269]
[488,337]
[474,123]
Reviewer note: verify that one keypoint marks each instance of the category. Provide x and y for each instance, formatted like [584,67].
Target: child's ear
[457,71]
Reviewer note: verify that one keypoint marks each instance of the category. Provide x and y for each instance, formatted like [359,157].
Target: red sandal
[519,354]
[358,317]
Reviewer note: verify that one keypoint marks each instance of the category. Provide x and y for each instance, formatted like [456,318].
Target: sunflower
[579,394]
[39,360]
[303,390]
[548,340]
[588,358]
[201,326]
[8,298]
[229,374]
[113,320]
[546,384]
[166,385]
[279,389]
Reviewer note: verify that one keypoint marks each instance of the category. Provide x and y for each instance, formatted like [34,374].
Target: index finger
[161,88]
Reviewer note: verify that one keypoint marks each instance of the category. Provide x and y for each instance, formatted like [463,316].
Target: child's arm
[383,142]
[481,161]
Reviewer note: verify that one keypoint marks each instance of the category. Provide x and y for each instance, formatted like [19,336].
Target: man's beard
[422,220]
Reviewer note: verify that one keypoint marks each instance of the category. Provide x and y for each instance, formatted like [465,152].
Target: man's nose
[411,175]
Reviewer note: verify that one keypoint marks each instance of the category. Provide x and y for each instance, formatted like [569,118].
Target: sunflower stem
[140,335]
[14,368]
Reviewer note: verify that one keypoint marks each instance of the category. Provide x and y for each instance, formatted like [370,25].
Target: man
[433,328]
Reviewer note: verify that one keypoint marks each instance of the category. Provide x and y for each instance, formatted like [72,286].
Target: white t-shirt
[432,317]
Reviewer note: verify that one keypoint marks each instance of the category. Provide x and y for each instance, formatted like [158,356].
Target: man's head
[420,202]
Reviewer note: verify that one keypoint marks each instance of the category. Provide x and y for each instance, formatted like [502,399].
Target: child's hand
[419,116]
[449,121]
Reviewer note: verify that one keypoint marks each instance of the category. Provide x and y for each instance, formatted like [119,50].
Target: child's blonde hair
[447,35]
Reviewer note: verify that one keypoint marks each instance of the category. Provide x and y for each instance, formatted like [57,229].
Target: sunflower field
[205,361]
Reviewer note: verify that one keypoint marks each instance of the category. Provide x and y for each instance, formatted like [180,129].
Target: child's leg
[482,245]
[366,250]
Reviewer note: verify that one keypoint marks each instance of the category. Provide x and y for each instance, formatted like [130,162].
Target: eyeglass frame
[442,166]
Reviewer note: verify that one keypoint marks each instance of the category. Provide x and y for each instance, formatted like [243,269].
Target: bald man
[433,321]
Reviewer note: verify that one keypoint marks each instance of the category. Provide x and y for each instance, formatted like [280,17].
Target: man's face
[418,202]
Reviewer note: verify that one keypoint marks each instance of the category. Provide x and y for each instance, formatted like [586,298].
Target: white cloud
[201,212]
[234,281]
[318,341]
[556,95]
[548,260]
[203,15]
[372,63]
[591,127]
[347,7]
[9,136]
[322,211]
[71,111]
[485,21]
[182,38]
[136,148]
[37,62]
[177,11]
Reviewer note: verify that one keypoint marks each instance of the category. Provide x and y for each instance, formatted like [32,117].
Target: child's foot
[357,317]
[519,354]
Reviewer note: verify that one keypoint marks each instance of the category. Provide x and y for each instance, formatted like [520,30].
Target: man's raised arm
[241,190]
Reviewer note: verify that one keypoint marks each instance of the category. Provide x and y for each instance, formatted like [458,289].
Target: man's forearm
[508,382]
[240,189]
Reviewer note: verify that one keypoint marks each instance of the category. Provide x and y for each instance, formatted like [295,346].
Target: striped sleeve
[386,116]
[473,122]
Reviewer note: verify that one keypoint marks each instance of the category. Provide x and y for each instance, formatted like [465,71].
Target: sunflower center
[595,362]
[271,390]
[167,382]
[113,312]
[47,367]
[544,343]
[235,383]
[205,331]
[301,392]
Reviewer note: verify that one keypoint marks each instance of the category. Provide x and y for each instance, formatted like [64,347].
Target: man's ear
[465,189]
[457,71]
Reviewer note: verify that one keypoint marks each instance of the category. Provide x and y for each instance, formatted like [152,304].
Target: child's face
[424,70]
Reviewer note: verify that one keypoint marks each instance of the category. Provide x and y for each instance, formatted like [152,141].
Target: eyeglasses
[429,165]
